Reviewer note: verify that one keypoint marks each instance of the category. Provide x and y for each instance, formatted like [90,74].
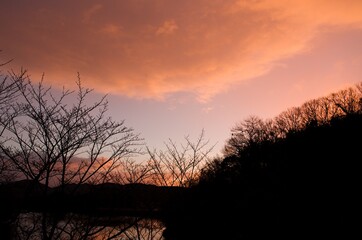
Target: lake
[33,225]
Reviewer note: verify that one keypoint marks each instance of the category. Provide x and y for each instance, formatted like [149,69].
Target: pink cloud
[151,49]
[89,12]
[168,27]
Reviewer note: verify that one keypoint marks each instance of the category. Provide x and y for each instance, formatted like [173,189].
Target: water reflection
[74,226]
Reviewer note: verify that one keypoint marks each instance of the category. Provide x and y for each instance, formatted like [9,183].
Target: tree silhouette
[179,166]
[54,143]
[294,176]
[8,94]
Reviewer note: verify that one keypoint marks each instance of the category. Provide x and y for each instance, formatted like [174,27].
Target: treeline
[294,176]
[56,139]
[254,131]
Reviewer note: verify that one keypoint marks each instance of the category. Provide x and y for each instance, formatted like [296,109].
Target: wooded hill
[296,176]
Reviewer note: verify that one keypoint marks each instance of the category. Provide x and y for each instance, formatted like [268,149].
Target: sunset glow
[173,68]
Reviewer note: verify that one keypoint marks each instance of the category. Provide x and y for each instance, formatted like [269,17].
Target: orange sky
[175,67]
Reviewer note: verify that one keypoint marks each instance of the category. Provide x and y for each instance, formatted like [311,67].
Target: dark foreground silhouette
[106,204]
[304,185]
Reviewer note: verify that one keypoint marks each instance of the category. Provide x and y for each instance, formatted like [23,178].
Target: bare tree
[8,94]
[290,120]
[179,165]
[347,100]
[359,92]
[248,132]
[55,143]
[314,112]
[132,171]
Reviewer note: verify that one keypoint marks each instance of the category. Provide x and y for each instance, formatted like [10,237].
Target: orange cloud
[111,29]
[90,12]
[151,49]
[167,27]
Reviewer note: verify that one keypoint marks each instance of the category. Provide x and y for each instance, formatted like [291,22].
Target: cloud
[111,29]
[207,110]
[167,27]
[90,12]
[152,49]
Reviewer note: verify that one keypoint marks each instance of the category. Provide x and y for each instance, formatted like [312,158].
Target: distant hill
[101,199]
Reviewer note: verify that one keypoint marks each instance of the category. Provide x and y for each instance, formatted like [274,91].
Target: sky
[174,68]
